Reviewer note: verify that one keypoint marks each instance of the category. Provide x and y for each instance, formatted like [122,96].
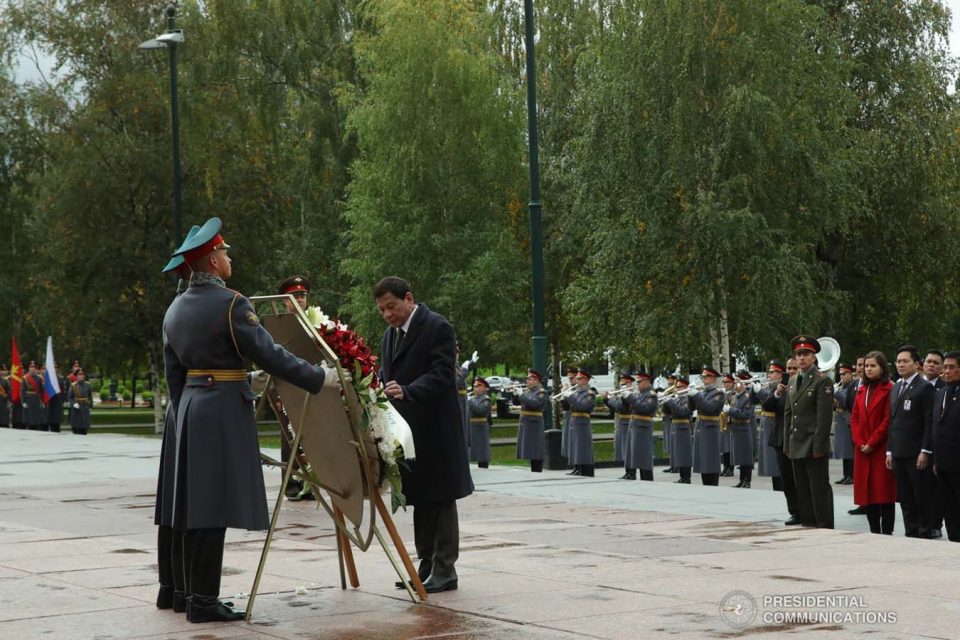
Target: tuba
[829,354]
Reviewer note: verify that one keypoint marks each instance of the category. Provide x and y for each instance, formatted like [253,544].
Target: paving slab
[543,556]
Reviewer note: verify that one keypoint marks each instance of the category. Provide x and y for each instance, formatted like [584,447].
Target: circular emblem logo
[738,609]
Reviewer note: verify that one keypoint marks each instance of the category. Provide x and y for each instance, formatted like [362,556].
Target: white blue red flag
[51,383]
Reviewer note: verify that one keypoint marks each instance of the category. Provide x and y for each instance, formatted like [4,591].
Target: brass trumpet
[563,393]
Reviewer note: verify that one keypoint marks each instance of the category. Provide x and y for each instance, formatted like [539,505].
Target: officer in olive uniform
[80,400]
[6,395]
[681,408]
[210,334]
[172,591]
[741,416]
[31,392]
[808,415]
[530,438]
[479,407]
[842,437]
[643,405]
[706,437]
[620,405]
[582,402]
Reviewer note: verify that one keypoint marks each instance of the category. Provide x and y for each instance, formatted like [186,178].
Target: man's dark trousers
[436,532]
[814,494]
[914,496]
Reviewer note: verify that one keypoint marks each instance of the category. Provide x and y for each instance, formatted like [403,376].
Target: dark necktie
[903,386]
[398,334]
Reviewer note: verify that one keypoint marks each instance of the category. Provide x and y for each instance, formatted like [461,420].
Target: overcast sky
[27,69]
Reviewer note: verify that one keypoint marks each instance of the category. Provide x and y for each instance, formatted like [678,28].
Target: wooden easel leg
[343,579]
[343,544]
[398,543]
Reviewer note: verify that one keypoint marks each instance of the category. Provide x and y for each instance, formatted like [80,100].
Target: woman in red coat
[873,484]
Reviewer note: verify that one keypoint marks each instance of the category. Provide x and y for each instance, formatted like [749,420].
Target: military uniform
[767,458]
[530,434]
[80,399]
[706,438]
[640,441]
[621,421]
[210,334]
[34,411]
[582,403]
[741,434]
[479,407]
[681,449]
[808,415]
[55,407]
[565,425]
[842,436]
[461,376]
[6,396]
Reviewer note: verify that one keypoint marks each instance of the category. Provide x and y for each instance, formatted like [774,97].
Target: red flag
[16,372]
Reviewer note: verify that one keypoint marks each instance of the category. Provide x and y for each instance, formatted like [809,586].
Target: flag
[16,372]
[51,383]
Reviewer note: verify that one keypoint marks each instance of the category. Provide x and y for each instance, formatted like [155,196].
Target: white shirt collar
[406,325]
[907,381]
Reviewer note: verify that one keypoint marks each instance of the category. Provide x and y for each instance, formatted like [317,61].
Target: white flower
[373,396]
[319,319]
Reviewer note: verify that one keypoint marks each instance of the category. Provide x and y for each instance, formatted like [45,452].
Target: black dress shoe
[434,584]
[738,485]
[215,611]
[745,485]
[933,534]
[840,481]
[399,585]
[847,480]
[165,598]
[858,511]
[179,601]
[794,520]
[728,473]
[682,481]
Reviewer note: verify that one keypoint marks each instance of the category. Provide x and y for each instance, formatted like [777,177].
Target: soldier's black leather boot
[207,609]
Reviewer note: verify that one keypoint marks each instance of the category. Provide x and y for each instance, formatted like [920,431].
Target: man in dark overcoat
[417,368]
[210,334]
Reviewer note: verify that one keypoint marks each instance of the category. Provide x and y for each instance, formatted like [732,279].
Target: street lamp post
[170,39]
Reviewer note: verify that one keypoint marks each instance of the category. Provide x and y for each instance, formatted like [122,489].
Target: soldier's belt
[840,411]
[768,414]
[31,393]
[680,421]
[579,414]
[478,421]
[709,418]
[732,421]
[623,416]
[81,400]
[462,392]
[219,375]
[531,413]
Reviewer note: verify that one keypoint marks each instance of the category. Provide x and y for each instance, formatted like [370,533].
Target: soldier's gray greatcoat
[479,408]
[706,437]
[741,429]
[681,450]
[462,394]
[582,403]
[565,429]
[640,438]
[530,439]
[218,478]
[621,411]
[842,437]
[31,395]
[80,393]
[767,458]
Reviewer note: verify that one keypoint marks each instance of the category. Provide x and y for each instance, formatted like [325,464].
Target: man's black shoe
[858,511]
[840,481]
[434,584]
[728,473]
[574,472]
[934,534]
[847,480]
[399,585]
[738,485]
[793,521]
[165,598]
[682,481]
[215,611]
[745,485]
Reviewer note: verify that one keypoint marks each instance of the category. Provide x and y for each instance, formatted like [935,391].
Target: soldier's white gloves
[465,365]
[726,408]
[24,405]
[474,357]
[330,377]
[756,387]
[76,405]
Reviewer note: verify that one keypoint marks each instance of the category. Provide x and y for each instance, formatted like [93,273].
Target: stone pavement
[542,556]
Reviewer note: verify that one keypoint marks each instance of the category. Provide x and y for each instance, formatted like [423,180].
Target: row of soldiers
[35,412]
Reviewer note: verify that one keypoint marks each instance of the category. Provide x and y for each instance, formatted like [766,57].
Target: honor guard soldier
[565,405]
[620,405]
[667,422]
[681,408]
[808,416]
[80,400]
[706,437]
[172,591]
[643,406]
[530,437]
[582,402]
[55,405]
[210,334]
[741,418]
[479,406]
[725,433]
[842,437]
[34,410]
[461,374]
[6,394]
[767,455]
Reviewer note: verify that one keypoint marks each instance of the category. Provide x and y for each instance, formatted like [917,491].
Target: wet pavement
[542,556]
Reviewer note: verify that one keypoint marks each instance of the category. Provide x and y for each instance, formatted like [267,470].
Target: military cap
[805,343]
[671,376]
[843,366]
[776,365]
[482,381]
[535,373]
[627,376]
[710,371]
[683,380]
[295,284]
[572,370]
[643,375]
[206,240]
[743,374]
[584,372]
[728,377]
[177,263]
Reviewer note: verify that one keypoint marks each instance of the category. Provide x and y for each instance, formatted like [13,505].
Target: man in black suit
[946,445]
[932,368]
[418,370]
[909,444]
[775,403]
